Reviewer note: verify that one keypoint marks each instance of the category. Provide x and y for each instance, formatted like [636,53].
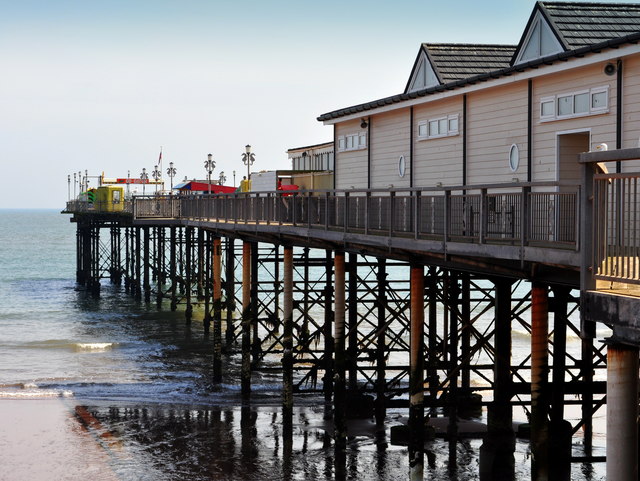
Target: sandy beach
[42,439]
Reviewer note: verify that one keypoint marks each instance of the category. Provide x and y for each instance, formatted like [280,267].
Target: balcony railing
[82,206]
[515,214]
[616,216]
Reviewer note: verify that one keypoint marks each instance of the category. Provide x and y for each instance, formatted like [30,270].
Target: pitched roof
[582,27]
[584,23]
[459,61]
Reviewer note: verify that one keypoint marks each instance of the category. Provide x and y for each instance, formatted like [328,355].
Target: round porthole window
[514,158]
[401,166]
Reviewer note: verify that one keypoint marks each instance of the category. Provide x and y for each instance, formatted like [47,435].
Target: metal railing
[616,246]
[516,214]
[83,206]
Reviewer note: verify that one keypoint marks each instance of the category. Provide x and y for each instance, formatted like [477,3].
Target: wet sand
[41,439]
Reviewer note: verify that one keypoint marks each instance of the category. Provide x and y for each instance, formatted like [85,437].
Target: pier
[408,297]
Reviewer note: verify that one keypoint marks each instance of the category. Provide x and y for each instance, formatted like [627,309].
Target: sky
[104,85]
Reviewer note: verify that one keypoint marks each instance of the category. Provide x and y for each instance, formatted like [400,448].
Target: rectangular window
[575,104]
[565,105]
[581,103]
[547,108]
[356,141]
[453,124]
[440,127]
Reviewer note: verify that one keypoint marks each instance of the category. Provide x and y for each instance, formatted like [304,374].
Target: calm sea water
[137,378]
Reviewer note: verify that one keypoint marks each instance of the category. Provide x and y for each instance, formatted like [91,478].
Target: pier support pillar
[95,261]
[497,462]
[339,354]
[159,265]
[559,429]
[453,301]
[230,291]
[137,286]
[381,365]
[147,285]
[287,340]
[416,375]
[201,264]
[539,382]
[256,345]
[327,382]
[432,362]
[207,284]
[622,412]
[172,269]
[188,312]
[217,309]
[352,312]
[245,380]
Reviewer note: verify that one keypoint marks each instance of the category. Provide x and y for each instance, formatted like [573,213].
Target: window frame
[353,141]
[437,121]
[556,115]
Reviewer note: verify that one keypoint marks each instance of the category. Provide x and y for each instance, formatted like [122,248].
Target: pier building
[499,170]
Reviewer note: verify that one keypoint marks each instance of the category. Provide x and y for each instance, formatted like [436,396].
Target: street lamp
[171,171]
[234,178]
[69,187]
[248,159]
[209,165]
[74,186]
[157,175]
[144,177]
[222,178]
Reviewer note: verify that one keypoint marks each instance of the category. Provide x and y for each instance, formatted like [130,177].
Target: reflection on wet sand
[240,443]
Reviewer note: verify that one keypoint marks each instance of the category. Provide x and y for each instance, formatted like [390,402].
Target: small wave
[31,393]
[93,346]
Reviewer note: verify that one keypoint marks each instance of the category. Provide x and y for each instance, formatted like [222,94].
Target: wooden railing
[616,247]
[515,214]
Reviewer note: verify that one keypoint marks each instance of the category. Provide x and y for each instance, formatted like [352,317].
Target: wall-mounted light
[438,184]
[363,124]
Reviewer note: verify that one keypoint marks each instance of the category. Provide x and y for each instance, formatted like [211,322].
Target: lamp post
[144,177]
[74,186]
[86,180]
[222,179]
[248,159]
[69,187]
[209,165]
[157,175]
[234,178]
[171,171]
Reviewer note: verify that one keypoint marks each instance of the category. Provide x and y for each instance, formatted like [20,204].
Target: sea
[110,388]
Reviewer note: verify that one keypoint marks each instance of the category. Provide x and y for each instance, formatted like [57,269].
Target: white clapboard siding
[496,119]
[631,111]
[390,139]
[438,159]
[350,166]
[602,127]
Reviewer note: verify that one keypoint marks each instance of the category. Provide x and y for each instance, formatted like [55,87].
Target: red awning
[204,187]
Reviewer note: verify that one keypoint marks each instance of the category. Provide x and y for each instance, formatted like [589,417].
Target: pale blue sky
[101,85]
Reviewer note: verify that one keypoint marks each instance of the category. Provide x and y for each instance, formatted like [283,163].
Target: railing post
[345,219]
[367,202]
[415,205]
[447,219]
[294,217]
[525,218]
[484,217]
[392,217]
[308,197]
[326,210]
